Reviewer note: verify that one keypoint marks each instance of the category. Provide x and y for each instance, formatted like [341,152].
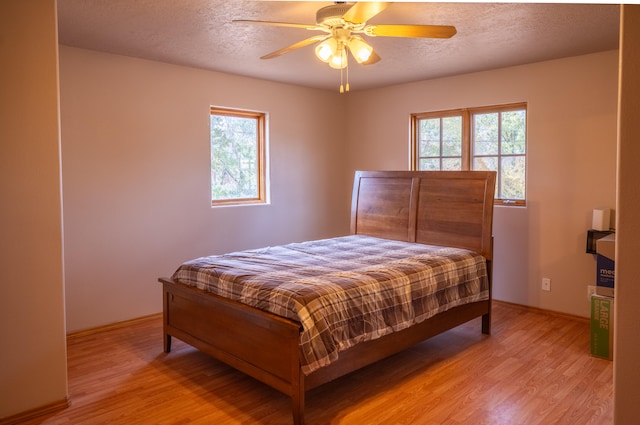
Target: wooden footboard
[260,344]
[266,346]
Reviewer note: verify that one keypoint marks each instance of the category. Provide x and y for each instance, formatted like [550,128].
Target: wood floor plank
[535,368]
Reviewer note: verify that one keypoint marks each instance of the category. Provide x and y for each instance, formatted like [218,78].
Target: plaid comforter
[344,290]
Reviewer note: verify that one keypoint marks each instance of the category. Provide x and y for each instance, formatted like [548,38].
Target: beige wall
[136,176]
[627,319]
[135,155]
[33,366]
[572,107]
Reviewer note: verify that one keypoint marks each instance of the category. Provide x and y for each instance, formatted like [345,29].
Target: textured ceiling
[200,33]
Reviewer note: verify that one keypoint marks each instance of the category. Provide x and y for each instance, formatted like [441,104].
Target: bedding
[344,290]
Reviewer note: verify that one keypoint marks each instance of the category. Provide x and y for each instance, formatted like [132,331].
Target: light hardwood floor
[535,368]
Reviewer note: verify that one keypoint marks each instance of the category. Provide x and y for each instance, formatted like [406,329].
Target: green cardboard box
[602,327]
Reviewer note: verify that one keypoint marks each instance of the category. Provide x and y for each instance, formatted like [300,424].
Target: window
[491,138]
[238,157]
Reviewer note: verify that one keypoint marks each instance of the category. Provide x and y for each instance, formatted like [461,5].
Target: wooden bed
[437,208]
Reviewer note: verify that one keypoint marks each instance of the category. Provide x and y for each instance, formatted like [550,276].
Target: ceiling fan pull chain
[347,56]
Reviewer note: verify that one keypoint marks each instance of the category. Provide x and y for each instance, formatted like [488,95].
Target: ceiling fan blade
[295,46]
[414,31]
[278,24]
[360,13]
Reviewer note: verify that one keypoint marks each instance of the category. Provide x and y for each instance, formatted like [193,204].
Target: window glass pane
[452,164]
[234,157]
[430,164]
[513,132]
[485,163]
[485,134]
[452,136]
[430,137]
[430,148]
[488,163]
[512,177]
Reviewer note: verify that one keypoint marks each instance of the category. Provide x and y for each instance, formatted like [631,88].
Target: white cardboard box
[601,219]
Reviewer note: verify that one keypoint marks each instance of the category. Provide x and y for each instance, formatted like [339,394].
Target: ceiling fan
[342,24]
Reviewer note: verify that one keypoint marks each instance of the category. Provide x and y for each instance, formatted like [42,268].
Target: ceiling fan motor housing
[331,16]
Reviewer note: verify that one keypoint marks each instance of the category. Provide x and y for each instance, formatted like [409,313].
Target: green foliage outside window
[499,144]
[441,143]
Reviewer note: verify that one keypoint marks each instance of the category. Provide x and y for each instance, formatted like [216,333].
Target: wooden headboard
[447,208]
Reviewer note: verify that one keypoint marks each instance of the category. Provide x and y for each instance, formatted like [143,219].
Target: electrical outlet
[546,284]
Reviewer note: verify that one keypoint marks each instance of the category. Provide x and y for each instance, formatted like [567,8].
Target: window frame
[468,156]
[261,156]
[466,145]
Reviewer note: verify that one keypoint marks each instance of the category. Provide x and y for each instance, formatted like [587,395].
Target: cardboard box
[599,290]
[602,327]
[592,238]
[605,261]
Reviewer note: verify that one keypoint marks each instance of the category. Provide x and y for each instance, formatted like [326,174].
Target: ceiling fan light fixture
[327,49]
[360,50]
[339,59]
